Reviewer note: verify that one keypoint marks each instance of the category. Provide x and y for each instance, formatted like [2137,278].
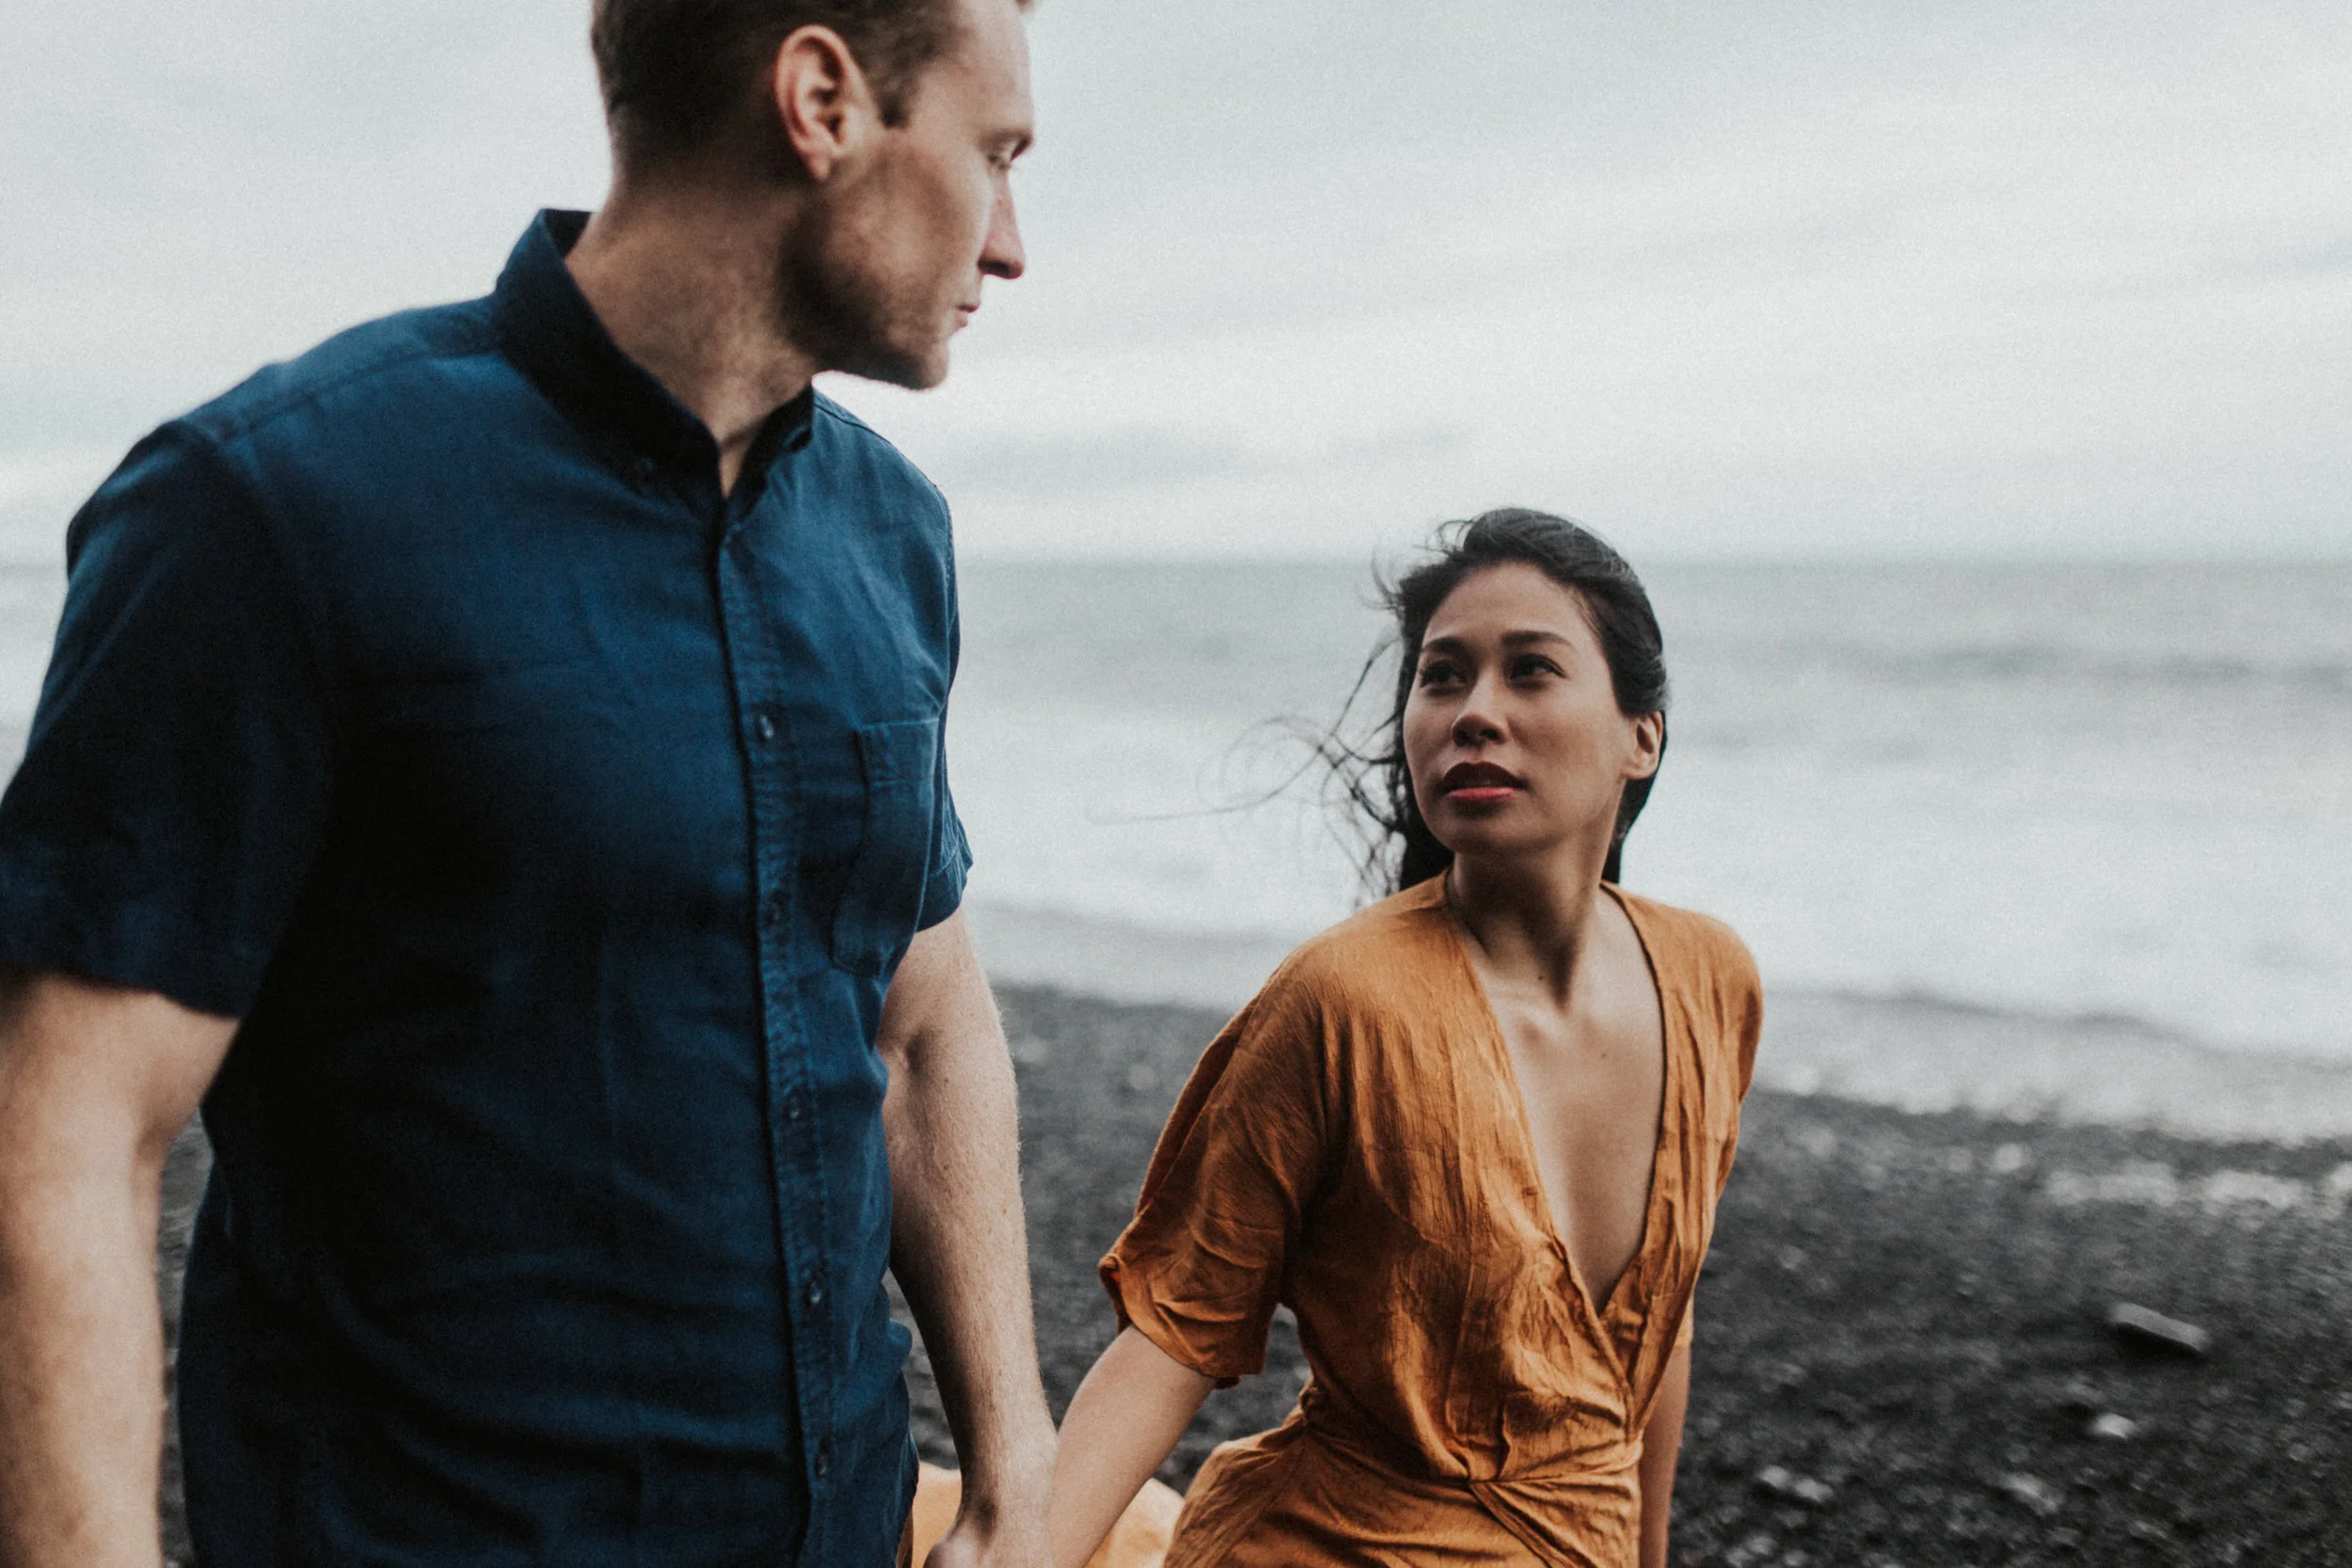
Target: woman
[1473,1136]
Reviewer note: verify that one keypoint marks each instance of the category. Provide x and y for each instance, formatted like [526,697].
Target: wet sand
[1903,1340]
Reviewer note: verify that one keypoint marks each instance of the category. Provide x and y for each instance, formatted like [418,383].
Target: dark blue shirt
[554,823]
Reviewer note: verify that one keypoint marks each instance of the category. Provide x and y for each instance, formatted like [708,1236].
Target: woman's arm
[1661,1445]
[1121,1426]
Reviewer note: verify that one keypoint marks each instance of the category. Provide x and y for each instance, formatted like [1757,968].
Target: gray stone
[2036,1494]
[1778,1480]
[2151,1330]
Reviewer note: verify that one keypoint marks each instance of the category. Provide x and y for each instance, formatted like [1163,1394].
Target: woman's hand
[1121,1426]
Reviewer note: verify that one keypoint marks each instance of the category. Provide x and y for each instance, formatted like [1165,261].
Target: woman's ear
[1649,746]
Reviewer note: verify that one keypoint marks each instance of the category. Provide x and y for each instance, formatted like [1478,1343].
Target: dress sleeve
[1739,1002]
[1741,989]
[1201,1266]
[177,777]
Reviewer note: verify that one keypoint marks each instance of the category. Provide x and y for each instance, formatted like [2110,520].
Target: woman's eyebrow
[1510,640]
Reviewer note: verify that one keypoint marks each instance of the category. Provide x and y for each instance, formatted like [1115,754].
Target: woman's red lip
[1477,779]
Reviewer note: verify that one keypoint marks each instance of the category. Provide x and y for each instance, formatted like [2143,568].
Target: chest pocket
[883,896]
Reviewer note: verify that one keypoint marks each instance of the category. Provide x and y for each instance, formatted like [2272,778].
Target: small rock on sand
[2112,1428]
[2034,1493]
[1780,1481]
[2151,1330]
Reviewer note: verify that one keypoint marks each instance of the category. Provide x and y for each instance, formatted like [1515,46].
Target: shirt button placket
[795,1154]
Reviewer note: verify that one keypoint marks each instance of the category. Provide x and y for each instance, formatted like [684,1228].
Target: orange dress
[1353,1146]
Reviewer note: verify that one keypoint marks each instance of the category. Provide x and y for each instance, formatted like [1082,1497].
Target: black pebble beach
[1906,1357]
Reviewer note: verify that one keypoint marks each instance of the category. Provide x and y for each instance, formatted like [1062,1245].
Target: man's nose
[1002,255]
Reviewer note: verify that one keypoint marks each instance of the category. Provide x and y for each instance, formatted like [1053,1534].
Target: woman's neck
[1530,919]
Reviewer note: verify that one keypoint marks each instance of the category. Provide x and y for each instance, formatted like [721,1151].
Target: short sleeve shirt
[553,823]
[1353,1146]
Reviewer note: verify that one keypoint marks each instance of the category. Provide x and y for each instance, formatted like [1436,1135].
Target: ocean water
[2032,838]
[2072,839]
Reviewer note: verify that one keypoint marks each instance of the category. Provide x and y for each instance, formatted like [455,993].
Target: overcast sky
[1722,279]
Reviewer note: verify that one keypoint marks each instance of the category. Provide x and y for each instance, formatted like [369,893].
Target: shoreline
[1917,1054]
[1905,1310]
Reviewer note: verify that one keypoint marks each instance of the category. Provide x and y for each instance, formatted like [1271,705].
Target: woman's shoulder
[1689,938]
[1703,960]
[1392,954]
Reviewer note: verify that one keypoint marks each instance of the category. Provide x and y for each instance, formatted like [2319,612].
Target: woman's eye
[1532,667]
[1438,671]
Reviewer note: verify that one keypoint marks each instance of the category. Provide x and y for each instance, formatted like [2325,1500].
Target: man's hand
[958,1247]
[95,1083]
[972,1544]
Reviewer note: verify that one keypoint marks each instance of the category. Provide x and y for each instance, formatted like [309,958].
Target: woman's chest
[1438,1209]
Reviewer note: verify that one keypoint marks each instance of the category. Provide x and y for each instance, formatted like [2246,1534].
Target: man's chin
[896,368]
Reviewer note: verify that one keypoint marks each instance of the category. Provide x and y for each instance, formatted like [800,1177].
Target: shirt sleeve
[951,857]
[1200,1268]
[176,780]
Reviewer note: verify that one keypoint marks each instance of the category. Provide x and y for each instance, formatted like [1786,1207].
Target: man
[493,761]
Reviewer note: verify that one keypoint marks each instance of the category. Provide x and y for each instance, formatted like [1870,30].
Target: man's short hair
[678,73]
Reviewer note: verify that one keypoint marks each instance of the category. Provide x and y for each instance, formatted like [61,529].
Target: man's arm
[95,1083]
[957,1245]
[1662,1445]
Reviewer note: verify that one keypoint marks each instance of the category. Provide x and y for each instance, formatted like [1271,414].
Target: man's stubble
[841,297]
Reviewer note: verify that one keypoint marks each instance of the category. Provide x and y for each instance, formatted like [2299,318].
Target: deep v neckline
[1500,1044]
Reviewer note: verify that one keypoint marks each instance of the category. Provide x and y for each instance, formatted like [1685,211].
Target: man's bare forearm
[81,1375]
[92,1085]
[958,1247]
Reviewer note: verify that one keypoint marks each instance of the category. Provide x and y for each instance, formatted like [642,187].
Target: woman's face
[1512,731]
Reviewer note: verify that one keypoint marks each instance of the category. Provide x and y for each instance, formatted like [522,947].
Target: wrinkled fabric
[1353,1146]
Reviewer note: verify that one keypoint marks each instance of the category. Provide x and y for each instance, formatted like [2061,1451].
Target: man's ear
[823,101]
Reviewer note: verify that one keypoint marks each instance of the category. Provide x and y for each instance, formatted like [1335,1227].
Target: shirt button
[795,1105]
[642,472]
[824,1460]
[764,727]
[815,1295]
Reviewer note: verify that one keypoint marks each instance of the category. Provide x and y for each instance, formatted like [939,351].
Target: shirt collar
[554,334]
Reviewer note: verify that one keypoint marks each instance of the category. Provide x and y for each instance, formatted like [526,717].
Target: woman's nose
[1476,722]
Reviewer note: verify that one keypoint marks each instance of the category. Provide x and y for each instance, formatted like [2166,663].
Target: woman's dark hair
[1402,850]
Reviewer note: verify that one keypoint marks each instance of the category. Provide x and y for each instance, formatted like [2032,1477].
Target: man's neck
[684,279]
